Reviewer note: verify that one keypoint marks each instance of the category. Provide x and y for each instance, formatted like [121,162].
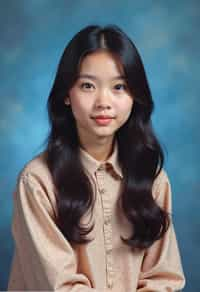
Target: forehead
[102,62]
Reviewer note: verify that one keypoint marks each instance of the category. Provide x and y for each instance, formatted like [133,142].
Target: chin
[105,134]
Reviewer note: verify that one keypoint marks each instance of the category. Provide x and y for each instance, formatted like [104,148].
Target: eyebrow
[95,78]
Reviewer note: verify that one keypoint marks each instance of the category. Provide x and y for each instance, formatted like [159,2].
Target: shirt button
[106,222]
[102,191]
[108,252]
[101,167]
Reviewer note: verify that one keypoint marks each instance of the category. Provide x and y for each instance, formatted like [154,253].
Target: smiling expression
[100,100]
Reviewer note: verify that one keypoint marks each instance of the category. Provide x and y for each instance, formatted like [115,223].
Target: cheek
[79,107]
[125,108]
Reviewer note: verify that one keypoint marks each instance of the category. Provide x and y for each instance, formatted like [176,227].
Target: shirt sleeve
[47,260]
[161,268]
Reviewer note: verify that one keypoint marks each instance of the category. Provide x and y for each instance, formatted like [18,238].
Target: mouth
[103,120]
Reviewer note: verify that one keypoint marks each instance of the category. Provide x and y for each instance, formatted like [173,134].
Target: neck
[99,151]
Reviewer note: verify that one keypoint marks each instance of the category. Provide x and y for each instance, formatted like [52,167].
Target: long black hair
[140,155]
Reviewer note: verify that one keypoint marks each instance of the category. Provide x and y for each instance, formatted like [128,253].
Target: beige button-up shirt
[44,260]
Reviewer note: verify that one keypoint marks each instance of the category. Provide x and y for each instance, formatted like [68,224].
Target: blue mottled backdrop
[32,36]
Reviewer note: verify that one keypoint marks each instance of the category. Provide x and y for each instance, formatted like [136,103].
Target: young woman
[93,211]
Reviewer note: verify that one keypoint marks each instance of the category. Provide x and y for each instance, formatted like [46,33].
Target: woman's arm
[47,260]
[161,268]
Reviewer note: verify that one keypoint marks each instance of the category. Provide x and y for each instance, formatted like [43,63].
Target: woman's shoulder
[161,178]
[37,163]
[35,181]
[161,190]
[36,170]
[160,182]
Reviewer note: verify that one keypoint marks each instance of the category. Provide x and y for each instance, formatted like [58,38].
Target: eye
[86,85]
[120,86]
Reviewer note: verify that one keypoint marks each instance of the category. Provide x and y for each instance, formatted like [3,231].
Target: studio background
[33,35]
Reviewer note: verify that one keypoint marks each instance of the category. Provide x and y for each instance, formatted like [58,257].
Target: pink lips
[103,120]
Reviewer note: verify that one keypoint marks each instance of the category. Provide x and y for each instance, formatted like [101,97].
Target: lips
[103,120]
[102,117]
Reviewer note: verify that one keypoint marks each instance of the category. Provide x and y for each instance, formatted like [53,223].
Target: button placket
[107,224]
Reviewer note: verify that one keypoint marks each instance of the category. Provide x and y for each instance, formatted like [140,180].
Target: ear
[67,100]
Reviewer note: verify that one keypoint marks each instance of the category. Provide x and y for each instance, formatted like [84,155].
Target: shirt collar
[92,165]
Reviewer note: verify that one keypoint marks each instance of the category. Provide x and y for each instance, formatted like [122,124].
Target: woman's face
[99,99]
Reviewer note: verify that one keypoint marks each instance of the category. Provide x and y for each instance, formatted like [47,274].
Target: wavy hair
[140,155]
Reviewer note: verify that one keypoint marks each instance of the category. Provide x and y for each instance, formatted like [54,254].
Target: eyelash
[83,84]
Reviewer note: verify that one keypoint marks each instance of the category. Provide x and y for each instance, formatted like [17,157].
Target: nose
[103,106]
[103,100]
